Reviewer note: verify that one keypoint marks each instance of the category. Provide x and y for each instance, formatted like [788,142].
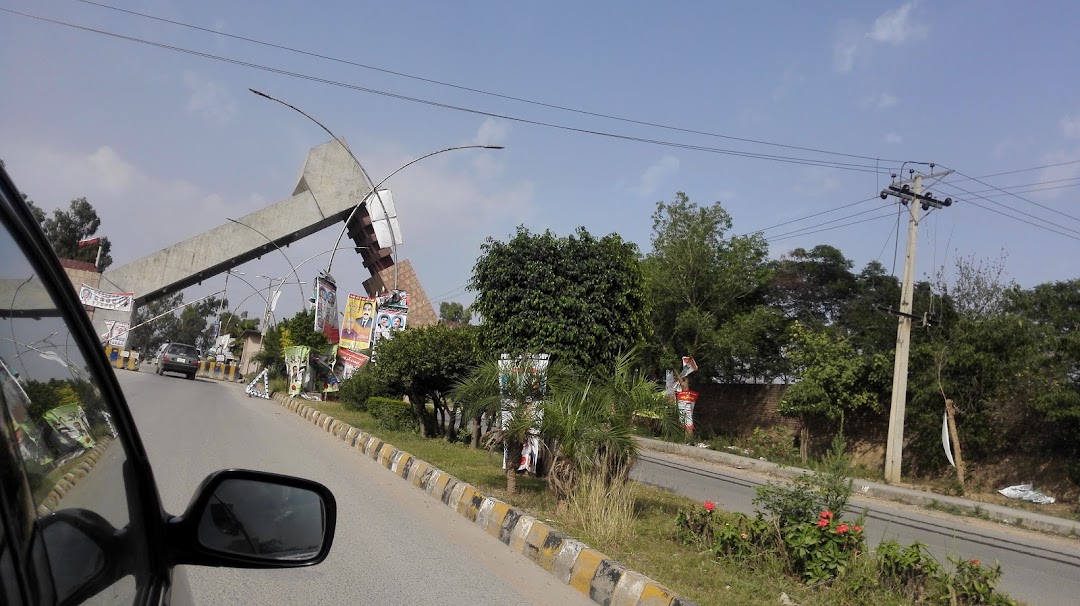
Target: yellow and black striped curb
[587,570]
[219,371]
[72,477]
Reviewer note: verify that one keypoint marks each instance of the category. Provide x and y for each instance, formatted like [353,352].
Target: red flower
[858,529]
[841,529]
[822,523]
[709,506]
[827,515]
[975,562]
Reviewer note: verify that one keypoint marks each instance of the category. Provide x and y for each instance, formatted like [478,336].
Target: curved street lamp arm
[303,297]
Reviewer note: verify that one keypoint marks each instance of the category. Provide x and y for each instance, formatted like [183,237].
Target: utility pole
[911,196]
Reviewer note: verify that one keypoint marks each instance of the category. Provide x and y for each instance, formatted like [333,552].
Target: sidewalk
[1008,515]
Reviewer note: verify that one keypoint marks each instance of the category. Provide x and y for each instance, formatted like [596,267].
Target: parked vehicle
[180,358]
[109,539]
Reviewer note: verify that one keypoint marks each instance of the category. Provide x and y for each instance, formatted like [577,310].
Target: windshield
[183,350]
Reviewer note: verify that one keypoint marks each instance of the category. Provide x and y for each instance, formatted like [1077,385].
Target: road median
[590,572]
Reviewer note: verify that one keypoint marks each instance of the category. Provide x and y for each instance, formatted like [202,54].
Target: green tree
[454,312]
[834,380]
[65,228]
[296,331]
[425,364]
[148,337]
[699,279]
[811,286]
[578,298]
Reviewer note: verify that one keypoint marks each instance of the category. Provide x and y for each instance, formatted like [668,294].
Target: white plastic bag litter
[1027,493]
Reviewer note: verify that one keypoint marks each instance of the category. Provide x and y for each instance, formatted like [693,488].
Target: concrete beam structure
[330,185]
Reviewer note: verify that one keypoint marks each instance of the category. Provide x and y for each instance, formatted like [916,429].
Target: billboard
[326,314]
[359,324]
[351,361]
[70,423]
[117,301]
[384,219]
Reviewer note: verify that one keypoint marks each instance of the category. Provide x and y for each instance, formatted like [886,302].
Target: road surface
[393,545]
[1039,569]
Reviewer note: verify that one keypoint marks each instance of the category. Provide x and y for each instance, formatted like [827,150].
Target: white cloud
[114,175]
[886,100]
[788,81]
[655,175]
[492,132]
[844,56]
[894,138]
[209,99]
[896,26]
[1070,125]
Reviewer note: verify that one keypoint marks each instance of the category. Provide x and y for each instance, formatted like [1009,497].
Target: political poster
[523,382]
[296,364]
[117,333]
[326,308]
[28,434]
[117,301]
[351,361]
[70,423]
[686,400]
[390,320]
[359,324]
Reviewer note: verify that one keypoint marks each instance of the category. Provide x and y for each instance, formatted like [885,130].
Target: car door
[72,463]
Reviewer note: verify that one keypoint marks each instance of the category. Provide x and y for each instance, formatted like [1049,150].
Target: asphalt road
[393,545]
[1039,569]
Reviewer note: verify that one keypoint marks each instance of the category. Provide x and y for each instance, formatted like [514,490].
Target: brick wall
[421,312]
[738,409]
[81,272]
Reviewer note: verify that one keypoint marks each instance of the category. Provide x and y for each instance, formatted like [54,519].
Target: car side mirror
[85,553]
[253,519]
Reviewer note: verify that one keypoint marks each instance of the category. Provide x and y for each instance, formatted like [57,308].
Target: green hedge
[395,415]
[361,386]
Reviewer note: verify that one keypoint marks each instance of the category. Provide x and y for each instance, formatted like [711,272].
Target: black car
[180,358]
[80,515]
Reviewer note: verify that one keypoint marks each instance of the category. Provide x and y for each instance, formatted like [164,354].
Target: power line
[1020,170]
[721,151]
[1011,208]
[481,91]
[815,215]
[795,233]
[1021,220]
[889,215]
[1043,206]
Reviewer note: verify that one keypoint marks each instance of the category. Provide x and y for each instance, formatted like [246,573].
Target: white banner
[117,333]
[945,439]
[119,301]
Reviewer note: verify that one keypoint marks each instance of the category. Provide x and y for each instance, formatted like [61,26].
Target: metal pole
[895,443]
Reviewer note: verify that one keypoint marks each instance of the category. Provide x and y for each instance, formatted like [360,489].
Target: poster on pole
[686,400]
[359,324]
[351,362]
[326,308]
[116,333]
[296,364]
[116,301]
[390,320]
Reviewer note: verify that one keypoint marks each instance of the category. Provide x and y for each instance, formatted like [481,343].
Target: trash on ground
[1027,493]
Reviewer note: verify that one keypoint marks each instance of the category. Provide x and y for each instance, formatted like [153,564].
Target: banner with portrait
[326,313]
[296,365]
[523,382]
[351,361]
[117,333]
[390,320]
[359,323]
[70,423]
[117,301]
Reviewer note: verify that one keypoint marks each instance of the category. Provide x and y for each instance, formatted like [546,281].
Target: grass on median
[649,548]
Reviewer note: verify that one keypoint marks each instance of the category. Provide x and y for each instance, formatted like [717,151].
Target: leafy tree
[811,286]
[579,298]
[834,380]
[65,228]
[699,278]
[425,364]
[870,329]
[296,331]
[148,337]
[454,312]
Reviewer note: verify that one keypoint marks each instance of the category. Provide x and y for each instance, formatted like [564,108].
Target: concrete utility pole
[912,197]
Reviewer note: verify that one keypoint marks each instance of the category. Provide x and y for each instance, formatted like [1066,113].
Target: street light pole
[375,188]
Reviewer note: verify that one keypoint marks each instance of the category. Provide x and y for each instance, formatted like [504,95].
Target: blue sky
[166,145]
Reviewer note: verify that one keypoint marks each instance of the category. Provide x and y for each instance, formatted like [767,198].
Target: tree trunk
[451,433]
[804,442]
[513,460]
[950,410]
[428,426]
[476,429]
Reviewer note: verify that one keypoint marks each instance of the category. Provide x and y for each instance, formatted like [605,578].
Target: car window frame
[146,512]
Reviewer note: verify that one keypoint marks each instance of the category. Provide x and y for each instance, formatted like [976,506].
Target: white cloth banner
[119,301]
[945,439]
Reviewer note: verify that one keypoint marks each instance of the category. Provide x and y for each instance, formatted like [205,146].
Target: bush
[363,385]
[826,489]
[391,414]
[910,571]
[821,551]
[279,385]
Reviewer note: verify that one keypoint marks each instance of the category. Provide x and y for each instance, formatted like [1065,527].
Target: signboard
[252,388]
[326,314]
[118,301]
[117,333]
[358,327]
[69,421]
[384,219]
[296,364]
[390,320]
[352,361]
